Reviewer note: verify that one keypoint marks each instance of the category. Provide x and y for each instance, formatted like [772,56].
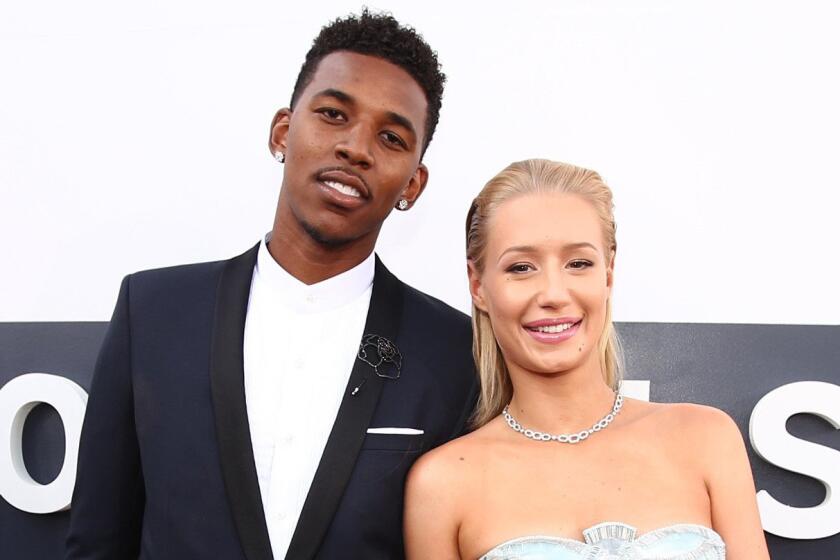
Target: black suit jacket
[166,467]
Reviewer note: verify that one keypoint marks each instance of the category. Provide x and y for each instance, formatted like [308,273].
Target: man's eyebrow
[336,94]
[399,120]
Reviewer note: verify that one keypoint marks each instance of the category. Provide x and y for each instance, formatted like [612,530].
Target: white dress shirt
[300,346]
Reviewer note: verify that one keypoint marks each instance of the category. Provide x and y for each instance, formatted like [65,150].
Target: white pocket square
[396,431]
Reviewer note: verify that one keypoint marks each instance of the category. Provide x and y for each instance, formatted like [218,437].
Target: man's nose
[356,147]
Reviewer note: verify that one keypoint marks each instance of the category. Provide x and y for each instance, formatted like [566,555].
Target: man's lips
[344,182]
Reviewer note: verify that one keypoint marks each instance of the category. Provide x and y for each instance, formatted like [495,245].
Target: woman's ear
[476,288]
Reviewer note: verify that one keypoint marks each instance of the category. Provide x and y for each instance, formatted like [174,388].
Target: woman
[560,466]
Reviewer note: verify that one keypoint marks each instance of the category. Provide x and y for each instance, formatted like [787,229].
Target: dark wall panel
[727,366]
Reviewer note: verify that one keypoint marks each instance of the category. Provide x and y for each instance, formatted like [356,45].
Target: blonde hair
[533,176]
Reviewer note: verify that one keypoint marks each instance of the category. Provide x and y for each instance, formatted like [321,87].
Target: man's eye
[331,114]
[579,264]
[393,139]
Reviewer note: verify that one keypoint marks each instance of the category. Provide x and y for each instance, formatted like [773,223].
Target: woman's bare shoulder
[698,418]
[689,424]
[452,461]
[439,489]
[440,480]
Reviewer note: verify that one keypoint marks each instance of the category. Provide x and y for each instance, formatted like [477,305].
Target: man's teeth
[342,188]
[554,328]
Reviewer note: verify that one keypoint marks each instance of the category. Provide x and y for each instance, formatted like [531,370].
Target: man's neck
[312,262]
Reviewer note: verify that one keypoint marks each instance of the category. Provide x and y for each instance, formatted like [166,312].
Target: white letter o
[17,399]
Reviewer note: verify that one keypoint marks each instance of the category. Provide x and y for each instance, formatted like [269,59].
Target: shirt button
[310,298]
[298,364]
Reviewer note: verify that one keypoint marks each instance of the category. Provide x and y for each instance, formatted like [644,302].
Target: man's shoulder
[178,280]
[420,306]
[184,280]
[177,273]
[418,301]
[427,322]
[435,324]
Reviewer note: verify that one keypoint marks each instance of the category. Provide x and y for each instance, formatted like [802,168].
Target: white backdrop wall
[134,136]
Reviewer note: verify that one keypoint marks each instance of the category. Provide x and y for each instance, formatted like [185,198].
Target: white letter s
[771,440]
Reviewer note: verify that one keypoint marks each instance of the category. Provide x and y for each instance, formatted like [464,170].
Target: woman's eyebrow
[533,249]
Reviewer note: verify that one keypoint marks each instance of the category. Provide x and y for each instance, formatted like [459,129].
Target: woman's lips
[567,331]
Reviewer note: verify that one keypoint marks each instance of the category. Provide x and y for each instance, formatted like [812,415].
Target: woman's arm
[731,488]
[430,523]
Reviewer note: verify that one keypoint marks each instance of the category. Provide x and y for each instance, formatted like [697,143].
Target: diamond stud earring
[280,157]
[402,204]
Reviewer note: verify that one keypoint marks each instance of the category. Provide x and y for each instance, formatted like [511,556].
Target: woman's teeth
[342,188]
[553,328]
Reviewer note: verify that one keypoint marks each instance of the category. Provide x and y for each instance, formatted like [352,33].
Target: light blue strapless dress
[617,541]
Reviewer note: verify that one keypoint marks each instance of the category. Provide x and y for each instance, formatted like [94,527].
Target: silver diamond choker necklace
[565,438]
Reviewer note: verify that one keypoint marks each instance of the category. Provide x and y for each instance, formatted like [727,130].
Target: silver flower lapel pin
[382,355]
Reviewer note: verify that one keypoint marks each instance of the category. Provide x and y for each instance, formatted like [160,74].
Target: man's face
[352,147]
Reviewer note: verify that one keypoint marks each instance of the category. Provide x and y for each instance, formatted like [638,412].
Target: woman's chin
[555,365]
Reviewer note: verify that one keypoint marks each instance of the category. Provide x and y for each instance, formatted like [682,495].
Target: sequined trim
[617,542]
[609,530]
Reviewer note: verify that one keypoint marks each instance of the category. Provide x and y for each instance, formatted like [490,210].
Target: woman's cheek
[509,300]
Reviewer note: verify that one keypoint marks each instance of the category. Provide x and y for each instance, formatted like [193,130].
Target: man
[270,406]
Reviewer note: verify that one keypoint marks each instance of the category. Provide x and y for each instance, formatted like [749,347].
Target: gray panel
[732,367]
[67,349]
[727,366]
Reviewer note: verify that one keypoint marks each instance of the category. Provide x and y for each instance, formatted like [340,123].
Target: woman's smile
[553,331]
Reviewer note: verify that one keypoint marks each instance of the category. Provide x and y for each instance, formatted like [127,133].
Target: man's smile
[344,181]
[342,188]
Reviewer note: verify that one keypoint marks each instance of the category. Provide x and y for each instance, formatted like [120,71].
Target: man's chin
[324,237]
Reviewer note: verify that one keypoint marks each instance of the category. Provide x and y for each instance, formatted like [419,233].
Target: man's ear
[476,287]
[416,185]
[279,131]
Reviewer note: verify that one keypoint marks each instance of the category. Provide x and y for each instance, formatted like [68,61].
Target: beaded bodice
[617,541]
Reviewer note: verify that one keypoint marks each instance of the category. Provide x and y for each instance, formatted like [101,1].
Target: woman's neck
[566,402]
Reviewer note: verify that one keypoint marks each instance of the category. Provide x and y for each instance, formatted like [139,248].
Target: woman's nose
[553,290]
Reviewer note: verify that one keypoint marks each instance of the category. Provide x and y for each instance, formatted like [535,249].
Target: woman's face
[546,282]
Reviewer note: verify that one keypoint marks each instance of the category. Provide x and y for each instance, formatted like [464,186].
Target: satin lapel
[351,424]
[228,392]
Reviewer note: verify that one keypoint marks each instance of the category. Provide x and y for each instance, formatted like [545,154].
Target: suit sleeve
[463,426]
[108,498]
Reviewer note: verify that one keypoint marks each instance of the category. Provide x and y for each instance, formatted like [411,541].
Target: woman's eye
[579,264]
[393,139]
[519,268]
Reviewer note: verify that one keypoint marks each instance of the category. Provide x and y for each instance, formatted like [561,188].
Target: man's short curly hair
[382,36]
